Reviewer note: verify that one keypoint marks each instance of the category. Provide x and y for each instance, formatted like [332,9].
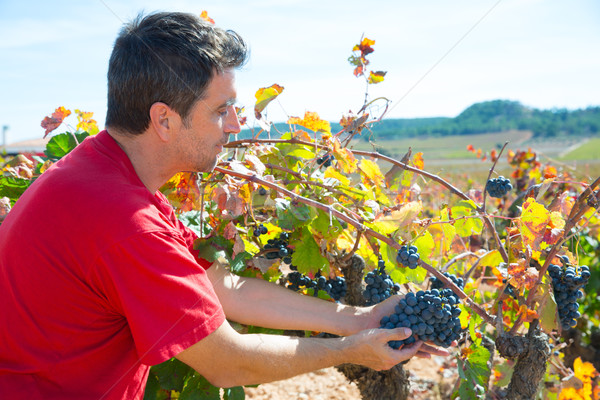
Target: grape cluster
[498,187]
[278,248]
[326,160]
[566,283]
[432,315]
[437,283]
[408,256]
[336,288]
[380,285]
[260,230]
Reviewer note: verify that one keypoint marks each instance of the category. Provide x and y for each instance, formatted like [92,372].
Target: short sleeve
[169,303]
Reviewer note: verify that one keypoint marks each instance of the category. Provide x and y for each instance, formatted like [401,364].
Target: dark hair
[169,57]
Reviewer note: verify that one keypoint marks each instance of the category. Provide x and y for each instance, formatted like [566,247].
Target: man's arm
[227,358]
[257,302]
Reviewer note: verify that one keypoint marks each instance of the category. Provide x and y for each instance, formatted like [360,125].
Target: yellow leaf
[418,160]
[376,77]
[372,172]
[406,214]
[333,173]
[585,371]
[534,219]
[344,157]
[264,96]
[311,121]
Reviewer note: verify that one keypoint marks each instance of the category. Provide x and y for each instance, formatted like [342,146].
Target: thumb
[401,333]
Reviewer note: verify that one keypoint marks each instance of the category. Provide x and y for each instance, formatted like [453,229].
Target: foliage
[501,247]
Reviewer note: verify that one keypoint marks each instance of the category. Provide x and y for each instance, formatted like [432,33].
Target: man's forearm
[257,302]
[227,358]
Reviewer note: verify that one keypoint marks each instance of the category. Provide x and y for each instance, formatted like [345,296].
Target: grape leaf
[198,388]
[171,374]
[466,226]
[264,96]
[240,261]
[376,77]
[61,145]
[12,187]
[307,256]
[52,122]
[213,247]
[311,121]
[372,172]
[234,393]
[327,227]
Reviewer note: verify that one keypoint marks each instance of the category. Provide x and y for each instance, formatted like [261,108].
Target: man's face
[209,124]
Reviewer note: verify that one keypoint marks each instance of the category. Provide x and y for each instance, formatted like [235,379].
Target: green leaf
[307,256]
[13,188]
[426,244]
[153,390]
[213,247]
[467,226]
[326,227]
[172,374]
[198,388]
[477,364]
[239,262]
[61,145]
[291,216]
[474,321]
[234,393]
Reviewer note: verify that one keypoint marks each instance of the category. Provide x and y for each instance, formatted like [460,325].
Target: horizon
[440,58]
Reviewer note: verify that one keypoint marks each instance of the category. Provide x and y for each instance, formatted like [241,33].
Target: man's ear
[164,120]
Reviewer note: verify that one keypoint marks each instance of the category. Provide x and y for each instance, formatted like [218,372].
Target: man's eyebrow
[229,102]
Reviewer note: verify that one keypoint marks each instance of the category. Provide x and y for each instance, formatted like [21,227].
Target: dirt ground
[431,379]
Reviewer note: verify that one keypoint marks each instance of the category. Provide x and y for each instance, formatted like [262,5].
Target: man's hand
[377,312]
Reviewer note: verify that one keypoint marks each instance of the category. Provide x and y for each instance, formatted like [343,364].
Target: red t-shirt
[98,281]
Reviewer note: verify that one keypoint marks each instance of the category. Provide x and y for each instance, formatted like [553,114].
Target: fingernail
[407,331]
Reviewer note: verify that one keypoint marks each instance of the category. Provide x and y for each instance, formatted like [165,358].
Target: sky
[440,56]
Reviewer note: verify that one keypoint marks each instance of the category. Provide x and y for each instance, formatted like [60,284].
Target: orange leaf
[311,121]
[358,71]
[264,96]
[418,160]
[470,148]
[376,77]
[204,16]
[550,172]
[182,191]
[585,371]
[52,122]
[364,46]
[238,112]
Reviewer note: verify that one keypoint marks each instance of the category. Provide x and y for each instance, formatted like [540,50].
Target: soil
[431,379]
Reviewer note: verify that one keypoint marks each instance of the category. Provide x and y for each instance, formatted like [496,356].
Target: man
[98,278]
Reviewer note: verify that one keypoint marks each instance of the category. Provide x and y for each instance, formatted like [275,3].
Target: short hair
[167,57]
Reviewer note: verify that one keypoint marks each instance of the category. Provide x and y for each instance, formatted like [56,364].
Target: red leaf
[52,122]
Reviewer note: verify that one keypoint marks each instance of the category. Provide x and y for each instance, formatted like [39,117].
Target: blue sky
[440,56]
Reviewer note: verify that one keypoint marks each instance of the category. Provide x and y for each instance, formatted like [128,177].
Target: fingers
[436,351]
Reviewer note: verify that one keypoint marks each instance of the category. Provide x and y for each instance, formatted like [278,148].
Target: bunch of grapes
[380,285]
[278,248]
[326,160]
[338,286]
[260,230]
[408,256]
[335,288]
[498,187]
[432,315]
[437,283]
[566,283]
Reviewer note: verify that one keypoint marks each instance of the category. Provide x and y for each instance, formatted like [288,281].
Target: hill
[488,116]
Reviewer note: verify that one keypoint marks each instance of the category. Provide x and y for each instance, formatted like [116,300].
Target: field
[449,155]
